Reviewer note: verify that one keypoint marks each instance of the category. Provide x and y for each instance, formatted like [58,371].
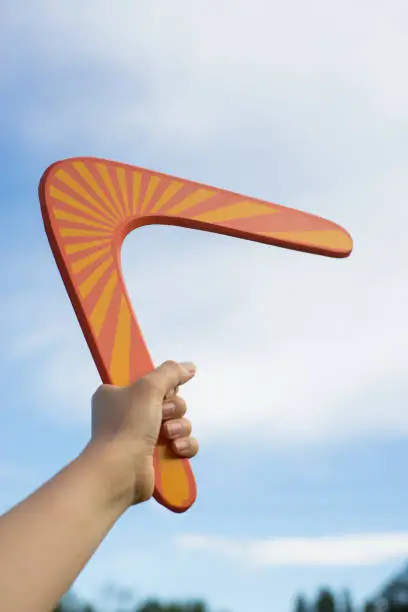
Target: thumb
[171,374]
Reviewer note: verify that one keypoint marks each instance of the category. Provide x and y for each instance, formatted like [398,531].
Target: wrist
[110,473]
[120,468]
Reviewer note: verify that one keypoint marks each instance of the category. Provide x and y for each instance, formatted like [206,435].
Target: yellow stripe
[100,310]
[171,190]
[200,195]
[333,239]
[174,481]
[81,264]
[86,287]
[83,246]
[151,188]
[120,362]
[67,199]
[66,178]
[65,231]
[120,172]
[137,182]
[87,176]
[103,171]
[239,210]
[64,216]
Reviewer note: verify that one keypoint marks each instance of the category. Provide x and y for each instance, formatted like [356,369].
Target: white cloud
[304,77]
[345,550]
[290,347]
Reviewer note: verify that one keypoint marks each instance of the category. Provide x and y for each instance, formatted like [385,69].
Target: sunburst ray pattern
[89,206]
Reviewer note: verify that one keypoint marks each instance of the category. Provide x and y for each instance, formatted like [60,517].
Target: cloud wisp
[346,550]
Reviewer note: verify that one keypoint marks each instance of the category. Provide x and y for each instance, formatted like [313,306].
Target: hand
[127,421]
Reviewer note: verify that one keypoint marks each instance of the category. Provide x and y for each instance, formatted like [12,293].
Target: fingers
[186,447]
[172,393]
[174,408]
[178,429]
[169,375]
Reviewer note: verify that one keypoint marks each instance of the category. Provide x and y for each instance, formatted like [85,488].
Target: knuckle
[181,405]
[189,449]
[147,383]
[171,364]
[187,427]
[193,445]
[101,391]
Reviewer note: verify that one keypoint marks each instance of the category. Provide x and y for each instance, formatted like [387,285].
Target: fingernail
[189,366]
[174,429]
[182,444]
[168,409]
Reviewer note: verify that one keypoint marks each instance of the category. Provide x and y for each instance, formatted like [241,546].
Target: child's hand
[127,421]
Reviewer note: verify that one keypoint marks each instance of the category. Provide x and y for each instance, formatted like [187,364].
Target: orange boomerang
[89,206]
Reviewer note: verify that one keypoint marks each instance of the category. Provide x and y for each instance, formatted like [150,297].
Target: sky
[299,402]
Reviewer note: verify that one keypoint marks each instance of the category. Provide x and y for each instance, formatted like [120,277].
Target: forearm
[48,538]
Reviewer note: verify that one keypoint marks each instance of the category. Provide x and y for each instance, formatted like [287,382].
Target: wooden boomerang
[89,206]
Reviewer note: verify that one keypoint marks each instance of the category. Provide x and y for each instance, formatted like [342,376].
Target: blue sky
[300,398]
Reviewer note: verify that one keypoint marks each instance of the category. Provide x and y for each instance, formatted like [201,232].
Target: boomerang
[90,205]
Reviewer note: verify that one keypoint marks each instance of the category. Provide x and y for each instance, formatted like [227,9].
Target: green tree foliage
[325,602]
[347,601]
[301,604]
[156,606]
[63,607]
[150,606]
